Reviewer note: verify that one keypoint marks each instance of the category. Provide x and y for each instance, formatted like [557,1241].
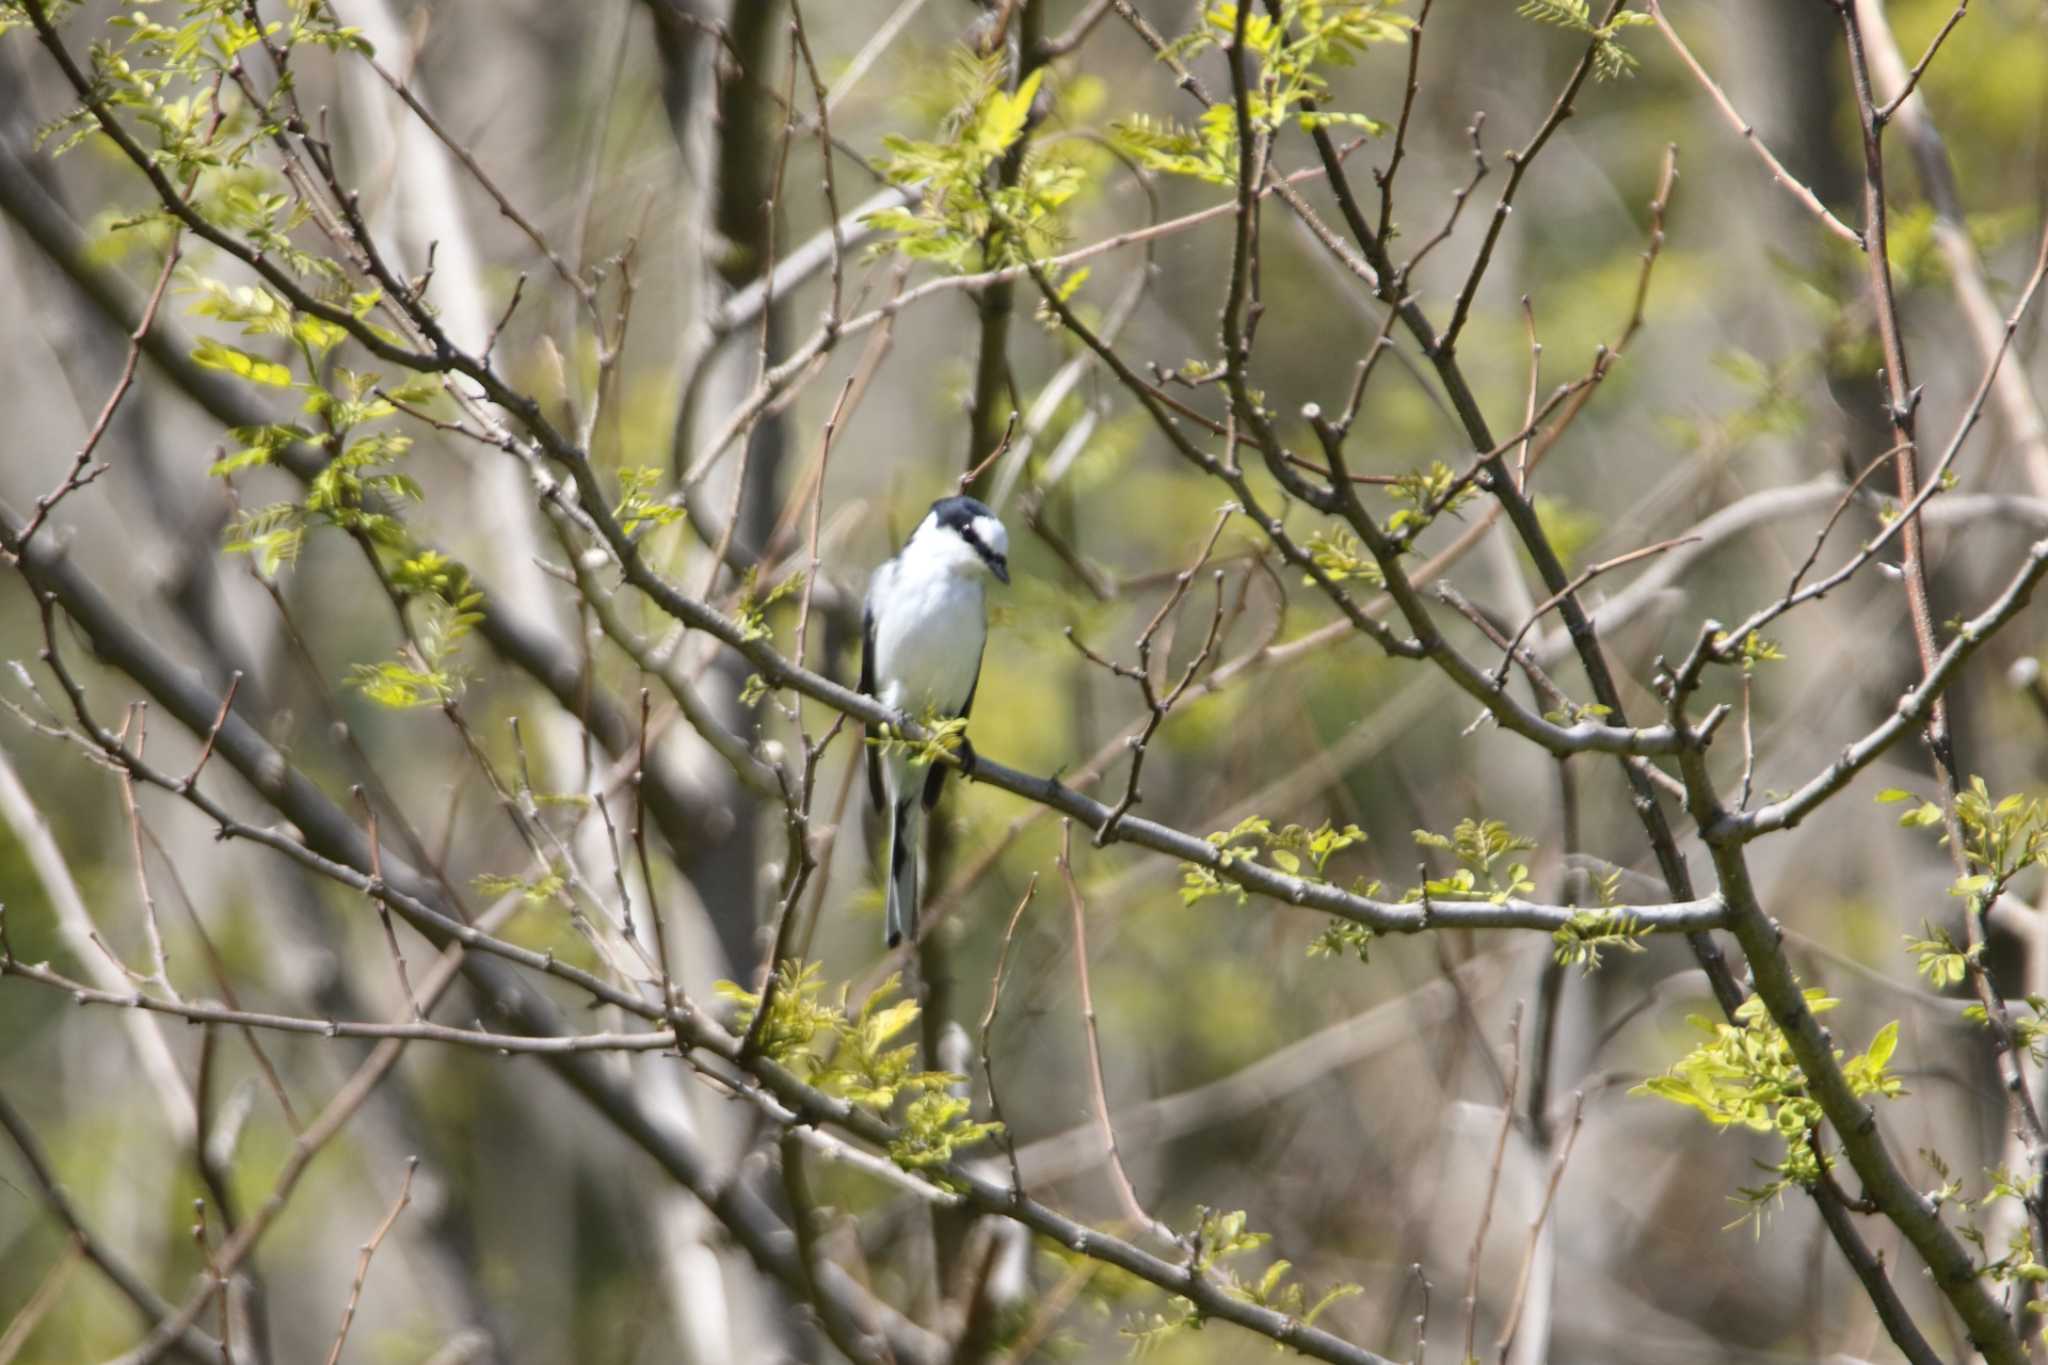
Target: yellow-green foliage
[1610,58]
[942,736]
[2002,836]
[857,1057]
[1287,847]
[1480,846]
[970,216]
[446,610]
[1581,939]
[1745,1075]
[1218,1241]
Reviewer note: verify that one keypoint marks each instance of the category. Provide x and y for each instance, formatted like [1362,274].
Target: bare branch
[1078,909]
[355,1290]
[1793,185]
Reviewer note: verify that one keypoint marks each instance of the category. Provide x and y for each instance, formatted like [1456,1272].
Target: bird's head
[967,535]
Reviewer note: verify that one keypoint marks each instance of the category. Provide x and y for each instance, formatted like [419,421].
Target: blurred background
[1351,1108]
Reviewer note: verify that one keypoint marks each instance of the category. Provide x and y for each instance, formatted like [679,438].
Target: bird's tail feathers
[900,915]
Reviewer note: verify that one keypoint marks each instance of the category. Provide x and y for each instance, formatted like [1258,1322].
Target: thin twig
[40,1301]
[1748,748]
[1912,81]
[825,435]
[1580,580]
[1500,1147]
[217,968]
[376,895]
[1529,405]
[1514,1314]
[829,186]
[1421,1315]
[988,1020]
[503,1043]
[213,731]
[577,284]
[1793,185]
[1518,166]
[152,927]
[83,471]
[194,1343]
[1126,1195]
[847,1336]
[369,1249]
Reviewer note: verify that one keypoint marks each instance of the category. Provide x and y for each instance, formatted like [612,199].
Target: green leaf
[533,890]
[419,389]
[317,334]
[889,1022]
[1335,1294]
[1324,118]
[215,356]
[1341,937]
[1746,1075]
[242,459]
[1925,815]
[1003,119]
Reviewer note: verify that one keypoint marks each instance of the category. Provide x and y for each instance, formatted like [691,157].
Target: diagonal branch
[1793,184]
[191,1344]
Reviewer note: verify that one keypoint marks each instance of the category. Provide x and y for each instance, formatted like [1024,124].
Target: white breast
[929,629]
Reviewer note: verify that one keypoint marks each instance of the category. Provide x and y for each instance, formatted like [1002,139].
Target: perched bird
[921,640]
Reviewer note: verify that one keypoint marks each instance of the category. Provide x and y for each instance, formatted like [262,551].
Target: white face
[960,548]
[993,535]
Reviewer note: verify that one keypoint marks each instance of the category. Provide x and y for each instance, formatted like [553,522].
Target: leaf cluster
[1580,940]
[1745,1075]
[426,673]
[1610,58]
[1574,713]
[2002,836]
[1290,849]
[854,1054]
[1339,556]
[361,474]
[174,79]
[1941,959]
[1342,938]
[943,735]
[1220,1238]
[972,214]
[1291,51]
[1428,494]
[2029,1031]
[1205,150]
[1482,849]
[360,479]
[1753,650]
[534,890]
[2021,1261]
[638,503]
[750,612]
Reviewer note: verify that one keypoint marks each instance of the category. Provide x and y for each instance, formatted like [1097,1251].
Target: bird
[922,634]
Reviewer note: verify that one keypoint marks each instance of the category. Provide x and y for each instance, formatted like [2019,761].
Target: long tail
[900,918]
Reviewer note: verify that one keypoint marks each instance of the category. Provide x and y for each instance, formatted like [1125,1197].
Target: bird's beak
[1000,567]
